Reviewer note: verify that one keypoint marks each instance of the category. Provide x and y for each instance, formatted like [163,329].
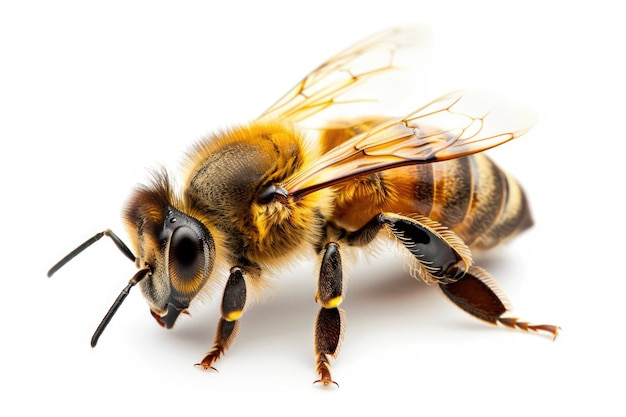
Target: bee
[259,195]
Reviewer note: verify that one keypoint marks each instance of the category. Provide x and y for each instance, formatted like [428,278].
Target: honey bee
[258,195]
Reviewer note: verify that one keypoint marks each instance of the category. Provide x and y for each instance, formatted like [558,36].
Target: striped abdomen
[475,198]
[470,195]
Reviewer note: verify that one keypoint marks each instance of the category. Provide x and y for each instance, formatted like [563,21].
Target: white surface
[91,95]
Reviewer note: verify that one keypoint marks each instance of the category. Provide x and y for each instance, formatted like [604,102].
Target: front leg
[330,320]
[233,303]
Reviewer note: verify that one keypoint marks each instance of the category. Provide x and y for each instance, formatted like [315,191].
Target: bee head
[176,248]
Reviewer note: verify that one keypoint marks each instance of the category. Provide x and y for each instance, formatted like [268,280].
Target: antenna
[117,303]
[118,242]
[141,274]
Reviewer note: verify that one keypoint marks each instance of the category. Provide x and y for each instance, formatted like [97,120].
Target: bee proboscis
[257,195]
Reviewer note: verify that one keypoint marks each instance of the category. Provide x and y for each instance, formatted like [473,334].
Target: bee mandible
[258,195]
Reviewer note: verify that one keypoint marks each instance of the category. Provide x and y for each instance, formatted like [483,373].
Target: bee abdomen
[513,218]
[473,197]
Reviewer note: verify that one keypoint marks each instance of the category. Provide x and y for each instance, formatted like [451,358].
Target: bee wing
[455,125]
[328,84]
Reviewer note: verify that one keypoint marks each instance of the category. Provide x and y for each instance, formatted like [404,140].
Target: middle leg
[329,325]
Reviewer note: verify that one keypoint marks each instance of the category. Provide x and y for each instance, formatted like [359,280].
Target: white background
[93,93]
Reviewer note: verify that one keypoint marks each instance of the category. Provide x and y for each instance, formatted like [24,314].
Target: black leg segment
[479,295]
[328,335]
[234,298]
[330,283]
[441,254]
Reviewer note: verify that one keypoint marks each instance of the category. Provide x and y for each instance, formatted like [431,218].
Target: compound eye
[186,260]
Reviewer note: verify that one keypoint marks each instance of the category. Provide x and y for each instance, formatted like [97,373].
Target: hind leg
[479,295]
[444,259]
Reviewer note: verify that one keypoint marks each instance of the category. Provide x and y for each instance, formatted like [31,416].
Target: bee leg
[439,254]
[233,302]
[479,295]
[442,258]
[330,320]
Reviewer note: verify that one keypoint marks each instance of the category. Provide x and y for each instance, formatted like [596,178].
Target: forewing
[328,85]
[455,125]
